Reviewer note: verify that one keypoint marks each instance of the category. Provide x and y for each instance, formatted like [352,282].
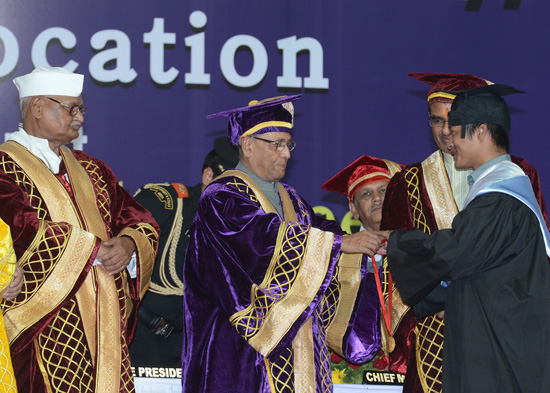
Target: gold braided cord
[64,338]
[413,186]
[429,353]
[166,287]
[282,373]
[103,199]
[277,282]
[7,377]
[9,167]
[349,277]
[429,331]
[331,298]
[322,358]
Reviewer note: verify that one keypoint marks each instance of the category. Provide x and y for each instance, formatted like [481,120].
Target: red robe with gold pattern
[70,326]
[420,196]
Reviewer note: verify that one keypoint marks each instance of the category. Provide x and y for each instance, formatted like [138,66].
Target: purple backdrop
[149,124]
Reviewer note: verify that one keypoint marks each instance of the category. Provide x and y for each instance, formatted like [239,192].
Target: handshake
[366,242]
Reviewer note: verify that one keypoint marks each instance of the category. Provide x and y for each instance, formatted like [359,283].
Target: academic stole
[309,280]
[100,313]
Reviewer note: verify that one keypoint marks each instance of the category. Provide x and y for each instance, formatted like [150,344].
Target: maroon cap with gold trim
[445,86]
[359,173]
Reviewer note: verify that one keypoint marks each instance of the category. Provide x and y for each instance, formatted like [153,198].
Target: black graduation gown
[497,311]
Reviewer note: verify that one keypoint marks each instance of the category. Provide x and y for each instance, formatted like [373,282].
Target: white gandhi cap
[49,81]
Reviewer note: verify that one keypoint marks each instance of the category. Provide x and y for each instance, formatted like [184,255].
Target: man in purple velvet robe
[268,284]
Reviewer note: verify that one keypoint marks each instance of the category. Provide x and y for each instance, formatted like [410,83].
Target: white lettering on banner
[112,60]
[291,47]
[196,46]
[120,54]
[11,51]
[227,63]
[157,39]
[65,37]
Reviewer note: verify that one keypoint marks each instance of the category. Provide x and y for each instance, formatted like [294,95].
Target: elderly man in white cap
[86,247]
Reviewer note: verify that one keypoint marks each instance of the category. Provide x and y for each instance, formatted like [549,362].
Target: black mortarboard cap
[482,105]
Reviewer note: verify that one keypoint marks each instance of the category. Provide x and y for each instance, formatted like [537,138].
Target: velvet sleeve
[535,182]
[396,212]
[268,276]
[124,216]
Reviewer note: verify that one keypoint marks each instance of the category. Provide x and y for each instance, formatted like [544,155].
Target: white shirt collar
[39,147]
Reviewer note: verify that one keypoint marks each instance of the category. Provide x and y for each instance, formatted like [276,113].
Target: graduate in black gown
[494,261]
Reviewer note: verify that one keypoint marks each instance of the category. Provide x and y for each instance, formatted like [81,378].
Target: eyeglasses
[437,123]
[279,145]
[73,110]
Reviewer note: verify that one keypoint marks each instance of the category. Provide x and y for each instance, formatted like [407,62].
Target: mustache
[376,206]
[76,123]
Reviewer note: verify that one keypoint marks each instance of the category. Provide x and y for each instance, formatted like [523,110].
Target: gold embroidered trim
[441,94]
[304,361]
[42,368]
[362,178]
[56,287]
[350,280]
[284,313]
[393,167]
[145,255]
[439,190]
[265,124]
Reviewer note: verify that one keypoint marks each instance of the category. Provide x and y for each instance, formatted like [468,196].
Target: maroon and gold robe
[70,326]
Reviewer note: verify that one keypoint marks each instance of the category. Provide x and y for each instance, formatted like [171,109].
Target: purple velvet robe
[263,296]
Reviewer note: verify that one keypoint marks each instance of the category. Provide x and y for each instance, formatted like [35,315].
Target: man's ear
[36,106]
[207,176]
[246,145]
[353,210]
[482,131]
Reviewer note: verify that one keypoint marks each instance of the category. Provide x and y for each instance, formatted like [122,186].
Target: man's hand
[383,250]
[365,242]
[16,285]
[115,254]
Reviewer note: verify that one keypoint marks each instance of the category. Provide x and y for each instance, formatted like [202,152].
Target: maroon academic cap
[445,86]
[359,173]
[259,117]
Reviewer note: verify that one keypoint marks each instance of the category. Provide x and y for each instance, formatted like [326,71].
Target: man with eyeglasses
[85,245]
[269,285]
[495,258]
[428,195]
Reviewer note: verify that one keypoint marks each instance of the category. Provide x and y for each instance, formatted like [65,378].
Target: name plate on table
[156,372]
[372,377]
[157,379]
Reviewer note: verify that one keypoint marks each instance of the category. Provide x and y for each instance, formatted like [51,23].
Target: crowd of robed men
[268,287]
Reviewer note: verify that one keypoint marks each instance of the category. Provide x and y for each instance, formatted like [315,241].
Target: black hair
[497,132]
